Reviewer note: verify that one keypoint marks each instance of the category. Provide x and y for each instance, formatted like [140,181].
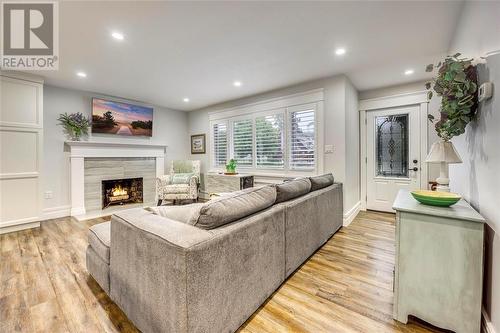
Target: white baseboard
[486,325]
[351,214]
[19,227]
[56,212]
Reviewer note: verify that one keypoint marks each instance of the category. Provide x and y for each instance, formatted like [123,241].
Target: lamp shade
[443,151]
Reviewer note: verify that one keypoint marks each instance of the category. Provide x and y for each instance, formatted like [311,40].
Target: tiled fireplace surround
[106,168]
[92,162]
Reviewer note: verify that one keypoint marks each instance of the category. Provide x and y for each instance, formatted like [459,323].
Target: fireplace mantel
[79,150]
[114,149]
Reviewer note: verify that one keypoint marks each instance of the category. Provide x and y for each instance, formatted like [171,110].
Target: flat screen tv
[120,118]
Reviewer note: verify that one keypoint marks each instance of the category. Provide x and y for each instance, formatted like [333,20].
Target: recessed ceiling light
[237,83]
[186,99]
[117,35]
[81,74]
[409,72]
[340,51]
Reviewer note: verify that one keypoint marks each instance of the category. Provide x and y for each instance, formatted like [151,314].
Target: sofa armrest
[148,268]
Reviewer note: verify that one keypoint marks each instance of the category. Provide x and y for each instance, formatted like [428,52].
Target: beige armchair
[181,184]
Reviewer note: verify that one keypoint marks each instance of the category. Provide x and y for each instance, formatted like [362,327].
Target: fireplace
[121,191]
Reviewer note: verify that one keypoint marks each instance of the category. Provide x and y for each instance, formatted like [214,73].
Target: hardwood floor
[346,286]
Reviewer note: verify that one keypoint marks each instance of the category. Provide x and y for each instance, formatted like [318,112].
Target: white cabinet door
[393,154]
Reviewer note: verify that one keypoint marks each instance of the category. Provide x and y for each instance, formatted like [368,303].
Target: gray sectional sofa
[207,267]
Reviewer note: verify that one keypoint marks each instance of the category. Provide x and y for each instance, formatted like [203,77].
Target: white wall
[169,128]
[340,97]
[478,177]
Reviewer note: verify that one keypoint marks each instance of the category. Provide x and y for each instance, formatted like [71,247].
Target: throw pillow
[185,213]
[226,209]
[181,178]
[292,189]
[322,181]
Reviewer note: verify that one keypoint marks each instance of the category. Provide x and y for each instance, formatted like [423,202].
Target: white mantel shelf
[80,150]
[114,149]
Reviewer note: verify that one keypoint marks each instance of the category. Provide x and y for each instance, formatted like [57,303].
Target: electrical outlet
[48,195]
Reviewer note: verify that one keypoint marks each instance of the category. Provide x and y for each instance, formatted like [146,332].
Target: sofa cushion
[100,239]
[186,213]
[226,209]
[322,181]
[292,189]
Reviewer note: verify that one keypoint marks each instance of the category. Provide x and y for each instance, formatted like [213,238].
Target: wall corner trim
[486,325]
[351,214]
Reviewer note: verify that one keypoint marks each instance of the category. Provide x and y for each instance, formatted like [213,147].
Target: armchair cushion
[176,188]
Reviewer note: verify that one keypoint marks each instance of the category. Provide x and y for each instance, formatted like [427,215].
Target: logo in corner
[30,36]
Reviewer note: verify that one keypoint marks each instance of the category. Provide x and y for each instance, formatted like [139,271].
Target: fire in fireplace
[121,191]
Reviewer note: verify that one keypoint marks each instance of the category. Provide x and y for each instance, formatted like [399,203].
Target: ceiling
[174,50]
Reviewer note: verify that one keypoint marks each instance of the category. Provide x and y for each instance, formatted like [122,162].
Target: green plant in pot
[75,125]
[456,84]
[231,166]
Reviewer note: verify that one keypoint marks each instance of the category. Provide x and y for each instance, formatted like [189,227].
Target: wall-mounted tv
[120,118]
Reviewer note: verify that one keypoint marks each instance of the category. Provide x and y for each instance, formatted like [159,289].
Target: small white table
[439,264]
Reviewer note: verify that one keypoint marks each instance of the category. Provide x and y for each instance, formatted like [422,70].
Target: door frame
[418,98]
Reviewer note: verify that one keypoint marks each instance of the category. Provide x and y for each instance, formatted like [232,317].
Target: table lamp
[443,152]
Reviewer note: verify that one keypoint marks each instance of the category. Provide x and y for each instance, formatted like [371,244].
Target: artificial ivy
[456,84]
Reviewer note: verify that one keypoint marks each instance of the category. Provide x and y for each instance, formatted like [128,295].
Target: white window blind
[219,144]
[243,142]
[302,140]
[269,141]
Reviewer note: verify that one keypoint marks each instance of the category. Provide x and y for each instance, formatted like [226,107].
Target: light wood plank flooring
[346,286]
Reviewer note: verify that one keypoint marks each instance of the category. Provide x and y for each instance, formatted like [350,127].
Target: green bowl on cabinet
[436,198]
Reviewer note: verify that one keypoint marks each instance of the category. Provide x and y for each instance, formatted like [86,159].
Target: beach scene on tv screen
[121,118]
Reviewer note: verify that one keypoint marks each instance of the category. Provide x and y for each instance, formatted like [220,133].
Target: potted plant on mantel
[75,125]
[456,84]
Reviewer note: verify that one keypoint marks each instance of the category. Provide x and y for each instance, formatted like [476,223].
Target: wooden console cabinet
[439,264]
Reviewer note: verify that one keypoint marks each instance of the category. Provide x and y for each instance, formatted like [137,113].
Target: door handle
[413,169]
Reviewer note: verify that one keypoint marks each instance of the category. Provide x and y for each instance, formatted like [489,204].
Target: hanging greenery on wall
[456,84]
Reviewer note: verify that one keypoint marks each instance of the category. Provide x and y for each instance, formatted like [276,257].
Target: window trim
[285,105]
[212,142]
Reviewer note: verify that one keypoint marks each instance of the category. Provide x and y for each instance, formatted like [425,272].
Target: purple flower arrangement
[75,124]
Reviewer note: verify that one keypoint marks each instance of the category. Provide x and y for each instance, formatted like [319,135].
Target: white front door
[392,154]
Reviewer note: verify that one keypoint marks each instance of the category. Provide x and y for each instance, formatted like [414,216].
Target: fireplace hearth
[121,191]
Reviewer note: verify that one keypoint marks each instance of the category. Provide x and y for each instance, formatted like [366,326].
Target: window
[269,145]
[219,135]
[392,145]
[302,140]
[281,139]
[243,142]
